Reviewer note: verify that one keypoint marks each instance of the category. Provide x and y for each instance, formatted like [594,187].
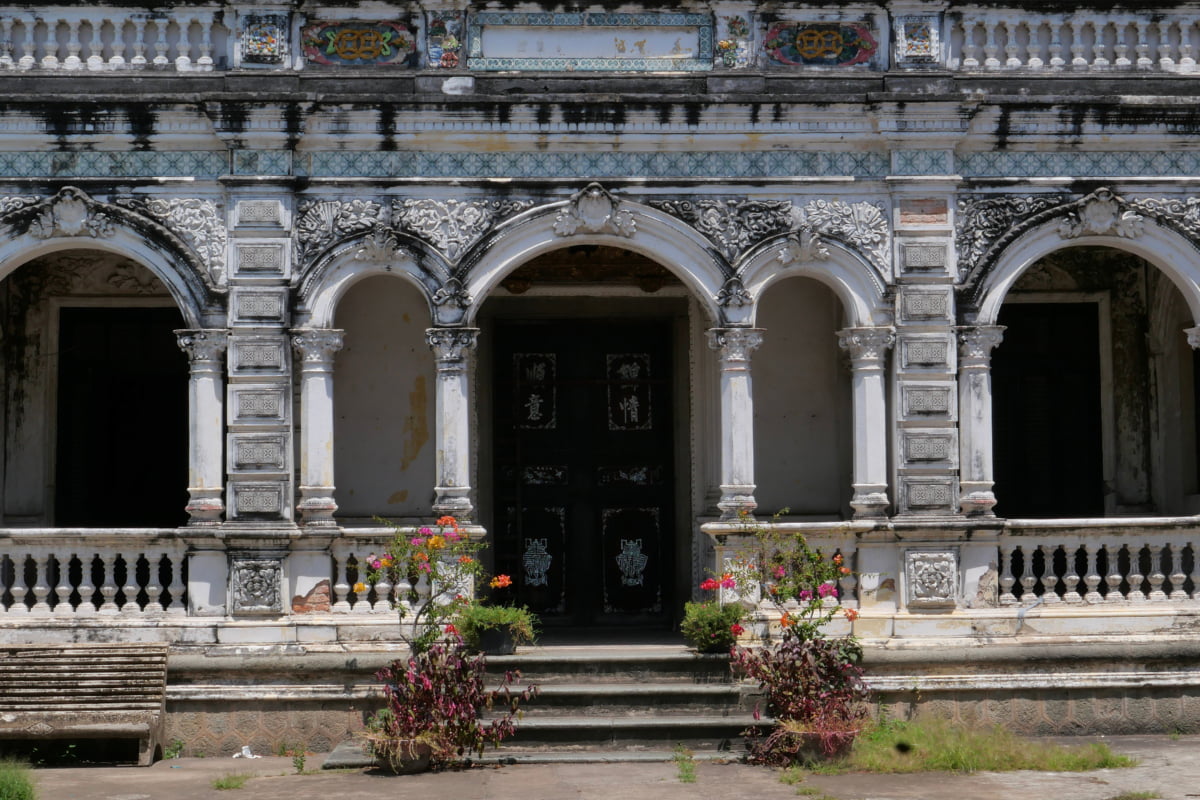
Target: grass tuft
[685,763]
[934,745]
[233,780]
[16,782]
[1136,796]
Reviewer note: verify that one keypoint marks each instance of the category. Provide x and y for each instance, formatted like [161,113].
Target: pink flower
[727,581]
[804,594]
[376,564]
[423,566]
[827,590]
[425,531]
[779,571]
[416,541]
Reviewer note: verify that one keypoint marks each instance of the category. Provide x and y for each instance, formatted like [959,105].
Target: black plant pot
[497,641]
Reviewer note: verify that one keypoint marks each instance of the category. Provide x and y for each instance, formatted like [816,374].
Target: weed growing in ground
[15,781]
[233,780]
[174,749]
[933,745]
[1136,796]
[685,763]
[298,761]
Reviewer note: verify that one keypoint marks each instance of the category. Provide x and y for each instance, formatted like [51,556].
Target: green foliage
[16,782]
[929,744]
[473,619]
[298,759]
[174,749]
[233,780]
[685,763]
[1136,796]
[711,627]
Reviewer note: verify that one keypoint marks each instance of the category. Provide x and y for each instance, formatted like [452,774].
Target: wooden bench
[85,691]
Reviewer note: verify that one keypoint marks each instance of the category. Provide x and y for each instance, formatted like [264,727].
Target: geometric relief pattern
[931,578]
[1103,164]
[256,585]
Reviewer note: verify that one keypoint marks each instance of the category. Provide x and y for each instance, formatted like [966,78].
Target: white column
[975,418]
[734,346]
[452,348]
[868,351]
[316,348]
[206,423]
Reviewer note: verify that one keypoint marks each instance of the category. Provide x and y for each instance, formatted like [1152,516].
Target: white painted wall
[383,402]
[801,402]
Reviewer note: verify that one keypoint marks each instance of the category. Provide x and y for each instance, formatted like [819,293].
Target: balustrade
[1131,566]
[1095,42]
[351,559]
[121,575]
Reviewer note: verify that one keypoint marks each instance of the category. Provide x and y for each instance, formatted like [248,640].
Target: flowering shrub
[710,627]
[435,697]
[812,683]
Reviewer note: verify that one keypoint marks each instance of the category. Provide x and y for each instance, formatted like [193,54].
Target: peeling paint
[398,497]
[416,424]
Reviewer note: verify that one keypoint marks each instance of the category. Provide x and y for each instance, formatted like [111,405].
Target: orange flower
[421,557]
[837,559]
[851,613]
[844,570]
[448,522]
[501,582]
[786,621]
[465,559]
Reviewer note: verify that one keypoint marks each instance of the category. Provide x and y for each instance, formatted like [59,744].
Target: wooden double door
[584,469]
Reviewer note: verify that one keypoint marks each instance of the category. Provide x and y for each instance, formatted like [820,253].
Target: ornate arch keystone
[594,210]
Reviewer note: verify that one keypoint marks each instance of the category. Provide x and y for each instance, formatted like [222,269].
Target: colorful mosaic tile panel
[819,43]
[264,38]
[444,39]
[709,164]
[590,41]
[1104,164]
[354,43]
[918,39]
[104,164]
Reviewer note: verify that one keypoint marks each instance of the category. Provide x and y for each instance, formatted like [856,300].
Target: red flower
[736,630]
[709,585]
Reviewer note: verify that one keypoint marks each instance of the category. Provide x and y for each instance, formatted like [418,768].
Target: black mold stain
[387,126]
[141,125]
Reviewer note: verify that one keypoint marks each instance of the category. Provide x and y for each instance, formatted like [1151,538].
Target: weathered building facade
[597,279]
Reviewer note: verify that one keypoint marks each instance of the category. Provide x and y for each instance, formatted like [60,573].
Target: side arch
[630,226]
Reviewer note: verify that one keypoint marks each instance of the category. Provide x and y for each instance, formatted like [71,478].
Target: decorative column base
[453,501]
[316,506]
[870,500]
[736,501]
[205,507]
[977,499]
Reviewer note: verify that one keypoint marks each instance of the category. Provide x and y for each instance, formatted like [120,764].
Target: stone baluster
[1142,48]
[1091,577]
[1033,47]
[1012,47]
[153,584]
[1007,598]
[108,585]
[341,583]
[130,587]
[205,62]
[975,418]
[74,47]
[848,584]
[206,423]
[1195,576]
[1049,580]
[50,56]
[6,43]
[383,594]
[1164,49]
[1121,45]
[991,45]
[316,348]
[1113,579]
[1099,58]
[175,585]
[139,44]
[1135,576]
[1028,579]
[1177,574]
[41,585]
[161,43]
[1071,577]
[970,49]
[1187,61]
[868,352]
[95,59]
[62,589]
[1078,59]
[87,589]
[28,44]
[452,351]
[117,60]
[18,588]
[734,347]
[1056,44]
[183,48]
[1157,574]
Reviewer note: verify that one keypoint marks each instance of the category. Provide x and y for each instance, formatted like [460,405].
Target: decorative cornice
[453,226]
[1102,214]
[71,212]
[594,210]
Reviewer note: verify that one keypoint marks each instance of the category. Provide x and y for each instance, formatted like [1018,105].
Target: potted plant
[434,697]
[496,630]
[711,627]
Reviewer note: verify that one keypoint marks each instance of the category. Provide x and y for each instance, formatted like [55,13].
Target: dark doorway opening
[584,473]
[1046,411]
[122,419]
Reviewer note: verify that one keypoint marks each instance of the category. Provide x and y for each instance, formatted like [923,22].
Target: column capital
[451,344]
[1193,337]
[317,346]
[867,346]
[735,344]
[975,344]
[203,345]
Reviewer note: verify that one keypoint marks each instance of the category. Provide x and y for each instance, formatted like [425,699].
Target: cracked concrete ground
[1169,768]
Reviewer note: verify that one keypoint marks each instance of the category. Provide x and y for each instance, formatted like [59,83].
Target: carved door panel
[1046,411]
[583,469]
